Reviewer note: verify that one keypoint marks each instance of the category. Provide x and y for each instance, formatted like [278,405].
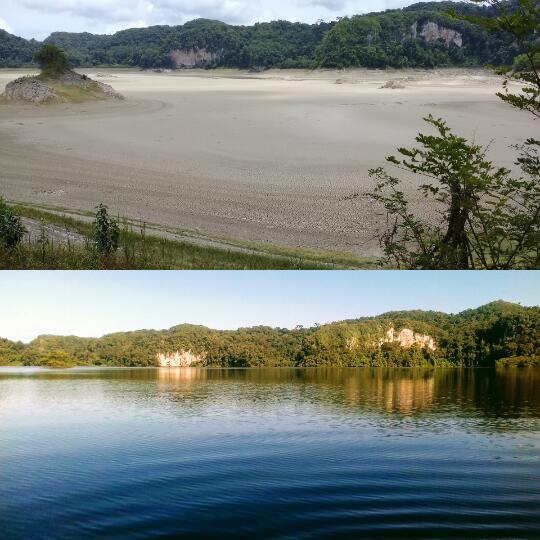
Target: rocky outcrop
[432,31]
[31,90]
[179,359]
[393,85]
[407,338]
[191,58]
[71,78]
[352,343]
[38,91]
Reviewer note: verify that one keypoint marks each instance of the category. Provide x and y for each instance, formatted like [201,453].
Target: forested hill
[421,35]
[496,334]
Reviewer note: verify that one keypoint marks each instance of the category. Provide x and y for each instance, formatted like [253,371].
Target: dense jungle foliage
[497,333]
[374,40]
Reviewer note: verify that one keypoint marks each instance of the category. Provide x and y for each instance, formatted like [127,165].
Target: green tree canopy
[477,337]
[52,60]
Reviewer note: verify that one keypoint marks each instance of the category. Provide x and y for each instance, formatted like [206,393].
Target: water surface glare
[269,453]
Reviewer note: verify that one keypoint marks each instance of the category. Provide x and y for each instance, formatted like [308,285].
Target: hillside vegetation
[499,333]
[421,35]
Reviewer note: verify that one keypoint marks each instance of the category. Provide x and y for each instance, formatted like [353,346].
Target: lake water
[270,453]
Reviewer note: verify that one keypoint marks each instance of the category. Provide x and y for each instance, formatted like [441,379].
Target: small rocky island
[57,82]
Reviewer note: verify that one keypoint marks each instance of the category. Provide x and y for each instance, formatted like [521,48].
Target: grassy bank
[519,362]
[76,94]
[146,247]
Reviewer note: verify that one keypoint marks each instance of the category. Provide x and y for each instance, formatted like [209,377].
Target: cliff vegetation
[419,36]
[499,333]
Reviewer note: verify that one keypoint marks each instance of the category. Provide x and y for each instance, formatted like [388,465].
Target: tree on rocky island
[52,60]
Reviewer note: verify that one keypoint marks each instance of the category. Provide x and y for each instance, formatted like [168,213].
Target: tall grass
[136,250]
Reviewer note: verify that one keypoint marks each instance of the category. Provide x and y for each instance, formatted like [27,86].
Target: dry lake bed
[268,158]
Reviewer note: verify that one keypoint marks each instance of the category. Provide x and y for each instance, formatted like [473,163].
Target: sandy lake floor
[266,158]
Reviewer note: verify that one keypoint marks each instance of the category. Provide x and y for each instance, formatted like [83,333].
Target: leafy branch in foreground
[522,22]
[487,218]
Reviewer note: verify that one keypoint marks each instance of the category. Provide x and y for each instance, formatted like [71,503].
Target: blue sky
[96,303]
[38,18]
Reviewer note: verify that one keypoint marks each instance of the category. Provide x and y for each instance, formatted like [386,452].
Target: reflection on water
[504,392]
[270,453]
[181,375]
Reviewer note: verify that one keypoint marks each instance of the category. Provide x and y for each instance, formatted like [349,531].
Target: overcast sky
[95,303]
[38,18]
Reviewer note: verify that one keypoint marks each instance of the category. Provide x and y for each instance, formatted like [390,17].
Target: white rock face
[32,90]
[393,85]
[432,31]
[179,359]
[406,338]
[190,58]
[352,343]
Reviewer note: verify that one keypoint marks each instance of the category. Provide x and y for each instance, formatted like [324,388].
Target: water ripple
[269,454]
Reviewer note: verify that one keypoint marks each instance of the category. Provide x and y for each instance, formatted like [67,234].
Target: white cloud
[155,11]
[330,5]
[38,18]
[5,26]
[122,25]
[101,10]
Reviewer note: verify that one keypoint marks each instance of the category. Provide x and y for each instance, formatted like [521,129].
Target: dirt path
[36,231]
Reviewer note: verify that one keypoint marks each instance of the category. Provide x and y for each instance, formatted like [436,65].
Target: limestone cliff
[432,31]
[191,58]
[352,343]
[407,338]
[180,359]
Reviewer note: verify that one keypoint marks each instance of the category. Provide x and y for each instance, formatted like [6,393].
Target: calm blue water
[272,453]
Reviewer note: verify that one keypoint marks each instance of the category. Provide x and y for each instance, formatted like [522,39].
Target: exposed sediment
[59,89]
[270,158]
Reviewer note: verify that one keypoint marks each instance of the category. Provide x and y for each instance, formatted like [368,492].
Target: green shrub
[11,227]
[57,358]
[52,60]
[106,232]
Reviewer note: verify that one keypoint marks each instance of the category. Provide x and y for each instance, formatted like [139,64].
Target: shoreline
[254,368]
